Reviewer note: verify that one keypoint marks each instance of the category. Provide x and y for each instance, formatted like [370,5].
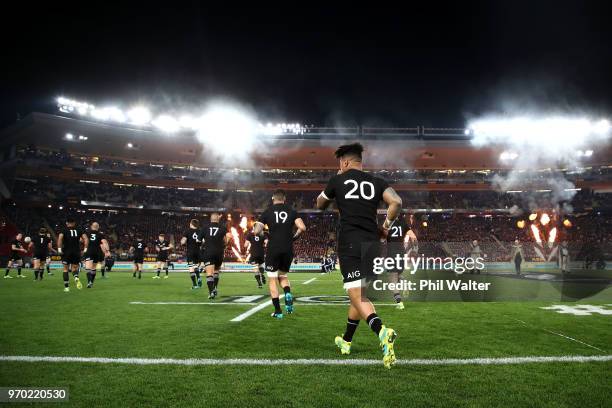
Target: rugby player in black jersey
[138,251]
[163,248]
[280,218]
[396,245]
[216,238]
[357,195]
[97,248]
[255,247]
[193,240]
[69,248]
[17,254]
[42,247]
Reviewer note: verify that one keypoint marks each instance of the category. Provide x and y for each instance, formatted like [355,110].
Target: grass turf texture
[39,319]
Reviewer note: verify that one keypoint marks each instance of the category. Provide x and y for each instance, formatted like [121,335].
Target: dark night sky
[408,66]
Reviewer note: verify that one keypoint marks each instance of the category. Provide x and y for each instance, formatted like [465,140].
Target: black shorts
[162,257]
[138,259]
[95,257]
[15,258]
[71,258]
[256,260]
[213,259]
[356,262]
[193,258]
[40,256]
[279,261]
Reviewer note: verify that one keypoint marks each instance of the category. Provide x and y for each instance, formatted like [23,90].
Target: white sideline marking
[306,361]
[309,281]
[251,311]
[193,303]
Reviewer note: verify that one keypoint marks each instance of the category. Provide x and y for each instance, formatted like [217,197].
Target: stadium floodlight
[139,115]
[130,145]
[166,123]
[69,136]
[115,114]
[229,129]
[505,156]
[588,153]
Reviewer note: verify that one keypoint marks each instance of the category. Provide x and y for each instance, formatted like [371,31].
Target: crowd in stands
[437,234]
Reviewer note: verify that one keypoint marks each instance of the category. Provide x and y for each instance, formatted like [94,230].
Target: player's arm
[394,203]
[183,241]
[105,247]
[301,228]
[227,238]
[327,195]
[247,246]
[60,242]
[85,240]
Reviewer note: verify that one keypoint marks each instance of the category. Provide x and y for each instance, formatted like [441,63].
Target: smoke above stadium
[534,143]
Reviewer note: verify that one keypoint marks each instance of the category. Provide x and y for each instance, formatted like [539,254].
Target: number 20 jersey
[357,196]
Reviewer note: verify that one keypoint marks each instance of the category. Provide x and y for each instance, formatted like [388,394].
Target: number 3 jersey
[280,219]
[357,195]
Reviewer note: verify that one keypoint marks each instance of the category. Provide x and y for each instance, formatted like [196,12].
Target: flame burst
[243,223]
[536,233]
[236,246]
[552,236]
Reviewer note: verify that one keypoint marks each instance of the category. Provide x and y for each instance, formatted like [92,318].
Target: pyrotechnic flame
[236,247]
[533,216]
[520,224]
[237,254]
[552,235]
[243,223]
[536,233]
[544,219]
[567,223]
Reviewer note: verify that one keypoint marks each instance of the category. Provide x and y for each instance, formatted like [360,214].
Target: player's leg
[352,269]
[257,274]
[209,268]
[90,267]
[283,281]
[48,265]
[192,275]
[217,271]
[139,266]
[158,272]
[198,271]
[66,276]
[344,342]
[134,269]
[273,287]
[165,268]
[36,265]
[8,269]
[394,277]
[19,266]
[74,262]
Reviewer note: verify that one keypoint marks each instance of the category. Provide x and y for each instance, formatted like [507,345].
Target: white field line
[252,311]
[307,362]
[309,281]
[562,335]
[573,339]
[195,303]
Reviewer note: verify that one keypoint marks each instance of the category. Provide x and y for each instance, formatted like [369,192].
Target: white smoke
[535,146]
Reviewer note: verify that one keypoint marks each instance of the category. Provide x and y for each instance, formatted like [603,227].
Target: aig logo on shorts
[269,268]
[354,274]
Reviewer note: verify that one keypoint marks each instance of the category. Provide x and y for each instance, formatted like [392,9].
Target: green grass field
[38,319]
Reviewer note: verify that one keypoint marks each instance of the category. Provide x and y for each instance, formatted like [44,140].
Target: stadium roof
[416,148]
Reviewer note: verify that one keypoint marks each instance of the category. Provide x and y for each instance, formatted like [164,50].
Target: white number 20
[362,190]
